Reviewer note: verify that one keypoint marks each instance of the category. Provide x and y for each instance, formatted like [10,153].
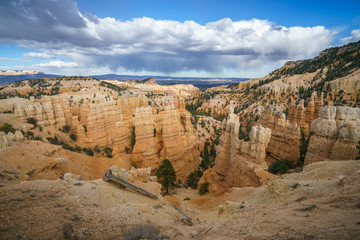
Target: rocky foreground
[322,202]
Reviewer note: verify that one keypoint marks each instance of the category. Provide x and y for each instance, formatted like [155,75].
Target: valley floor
[322,202]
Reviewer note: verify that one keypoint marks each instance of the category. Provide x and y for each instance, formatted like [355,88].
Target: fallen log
[186,219]
[108,176]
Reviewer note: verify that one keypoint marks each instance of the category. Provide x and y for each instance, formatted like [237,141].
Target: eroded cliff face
[100,120]
[285,136]
[165,134]
[239,163]
[302,116]
[335,134]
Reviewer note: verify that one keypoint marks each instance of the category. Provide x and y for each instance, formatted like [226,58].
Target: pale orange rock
[100,120]
[239,163]
[335,135]
[285,136]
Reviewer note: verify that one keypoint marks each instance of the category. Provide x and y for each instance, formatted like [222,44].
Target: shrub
[89,152]
[54,140]
[97,149]
[143,231]
[68,147]
[73,137]
[31,120]
[77,149]
[66,128]
[7,128]
[38,137]
[29,134]
[204,188]
[193,179]
[127,149]
[278,167]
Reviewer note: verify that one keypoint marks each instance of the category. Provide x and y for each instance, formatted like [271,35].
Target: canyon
[269,158]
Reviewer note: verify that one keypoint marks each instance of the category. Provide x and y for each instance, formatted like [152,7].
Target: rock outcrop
[285,136]
[5,139]
[335,135]
[239,163]
[165,135]
[304,116]
[99,120]
[349,83]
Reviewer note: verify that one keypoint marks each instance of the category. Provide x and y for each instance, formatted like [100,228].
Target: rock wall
[174,140]
[99,120]
[304,116]
[285,136]
[335,135]
[239,163]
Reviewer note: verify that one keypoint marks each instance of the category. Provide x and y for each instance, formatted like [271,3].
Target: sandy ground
[322,202]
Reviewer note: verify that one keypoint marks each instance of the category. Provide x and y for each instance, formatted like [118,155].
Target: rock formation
[335,135]
[5,139]
[99,120]
[304,116]
[239,163]
[146,151]
[349,83]
[285,137]
[172,128]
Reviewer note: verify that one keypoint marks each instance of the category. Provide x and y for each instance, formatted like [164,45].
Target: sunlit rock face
[285,136]
[239,163]
[99,120]
[335,135]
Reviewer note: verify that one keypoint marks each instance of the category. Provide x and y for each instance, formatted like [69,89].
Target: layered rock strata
[304,116]
[166,134]
[99,120]
[335,135]
[239,163]
[285,136]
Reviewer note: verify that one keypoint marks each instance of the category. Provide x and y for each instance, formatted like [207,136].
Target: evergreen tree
[303,145]
[133,137]
[166,173]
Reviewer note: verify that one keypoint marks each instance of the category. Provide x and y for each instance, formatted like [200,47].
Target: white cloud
[146,44]
[57,63]
[38,55]
[355,36]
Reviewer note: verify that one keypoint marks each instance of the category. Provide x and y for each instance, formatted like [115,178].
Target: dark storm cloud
[144,44]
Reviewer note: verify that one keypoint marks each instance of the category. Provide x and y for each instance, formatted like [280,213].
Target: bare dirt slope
[322,202]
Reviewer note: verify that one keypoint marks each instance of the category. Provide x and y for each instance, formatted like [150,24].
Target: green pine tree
[166,173]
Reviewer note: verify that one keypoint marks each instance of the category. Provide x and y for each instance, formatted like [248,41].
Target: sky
[187,38]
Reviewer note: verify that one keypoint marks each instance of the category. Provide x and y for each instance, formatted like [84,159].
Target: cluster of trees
[113,87]
[244,134]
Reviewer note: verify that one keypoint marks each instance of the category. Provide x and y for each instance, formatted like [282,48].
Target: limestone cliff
[166,134]
[335,134]
[239,163]
[285,136]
